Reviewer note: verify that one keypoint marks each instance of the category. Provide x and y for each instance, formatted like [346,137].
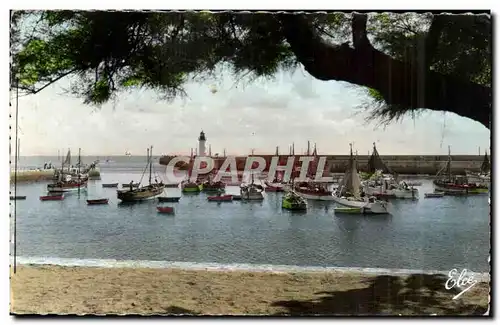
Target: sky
[240,116]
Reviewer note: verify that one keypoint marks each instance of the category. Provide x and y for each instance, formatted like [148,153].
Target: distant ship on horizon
[127,153]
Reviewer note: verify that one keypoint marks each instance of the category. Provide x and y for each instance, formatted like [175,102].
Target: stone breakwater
[401,164]
[42,175]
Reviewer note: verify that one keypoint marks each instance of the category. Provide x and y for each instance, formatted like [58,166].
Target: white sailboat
[348,193]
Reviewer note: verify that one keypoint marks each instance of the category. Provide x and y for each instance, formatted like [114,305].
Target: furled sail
[485,166]
[350,182]
[67,161]
[375,162]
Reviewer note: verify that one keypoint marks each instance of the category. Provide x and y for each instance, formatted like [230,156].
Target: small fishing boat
[97,201]
[166,210]
[52,198]
[434,195]
[131,184]
[18,197]
[147,192]
[456,185]
[172,185]
[293,201]
[346,210]
[220,198]
[110,185]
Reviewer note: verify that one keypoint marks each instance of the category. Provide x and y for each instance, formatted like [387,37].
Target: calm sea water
[437,234]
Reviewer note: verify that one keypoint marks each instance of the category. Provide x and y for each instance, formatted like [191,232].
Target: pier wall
[401,164]
[43,175]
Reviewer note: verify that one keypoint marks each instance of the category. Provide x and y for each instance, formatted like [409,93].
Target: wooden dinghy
[166,210]
[220,198]
[111,185]
[52,198]
[97,201]
[18,197]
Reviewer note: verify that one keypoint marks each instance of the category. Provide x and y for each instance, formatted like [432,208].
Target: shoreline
[50,289]
[213,266]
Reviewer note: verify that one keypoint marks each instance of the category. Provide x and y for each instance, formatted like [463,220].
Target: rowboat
[169,198]
[111,185]
[18,197]
[221,198]
[97,201]
[433,195]
[52,198]
[165,209]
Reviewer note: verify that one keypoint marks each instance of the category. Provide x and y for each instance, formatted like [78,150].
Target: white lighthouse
[202,140]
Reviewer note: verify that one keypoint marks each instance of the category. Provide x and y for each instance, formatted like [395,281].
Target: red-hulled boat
[220,198]
[97,201]
[165,209]
[52,198]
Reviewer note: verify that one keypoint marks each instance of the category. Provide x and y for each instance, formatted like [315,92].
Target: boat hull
[110,185]
[66,188]
[376,207]
[394,193]
[96,202]
[433,195]
[192,189]
[52,198]
[348,211]
[165,210]
[140,194]
[285,204]
[19,197]
[222,198]
[309,196]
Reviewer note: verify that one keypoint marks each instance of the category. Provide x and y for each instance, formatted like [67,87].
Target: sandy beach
[95,290]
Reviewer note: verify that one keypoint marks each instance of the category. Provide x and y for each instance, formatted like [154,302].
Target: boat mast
[449,164]
[79,162]
[150,163]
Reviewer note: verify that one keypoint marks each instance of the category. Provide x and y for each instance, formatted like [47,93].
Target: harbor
[420,235]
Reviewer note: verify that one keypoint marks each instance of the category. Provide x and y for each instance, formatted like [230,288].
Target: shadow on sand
[419,294]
